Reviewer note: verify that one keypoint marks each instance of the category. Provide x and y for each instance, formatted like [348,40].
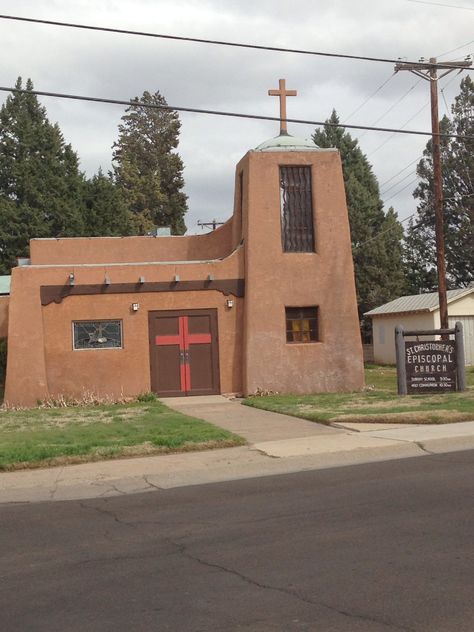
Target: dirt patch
[406,402]
[75,416]
[309,408]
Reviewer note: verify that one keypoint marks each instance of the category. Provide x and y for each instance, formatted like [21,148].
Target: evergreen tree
[40,182]
[457,157]
[147,169]
[376,236]
[105,211]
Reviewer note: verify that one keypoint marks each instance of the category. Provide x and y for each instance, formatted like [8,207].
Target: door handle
[184,357]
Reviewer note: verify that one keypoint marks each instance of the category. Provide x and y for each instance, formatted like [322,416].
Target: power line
[259,117]
[442,4]
[405,123]
[453,50]
[390,108]
[410,184]
[371,96]
[387,230]
[399,100]
[461,156]
[199,40]
[387,140]
[408,120]
[409,175]
[401,221]
[401,171]
[429,73]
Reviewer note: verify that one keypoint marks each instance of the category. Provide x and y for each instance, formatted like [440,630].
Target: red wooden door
[183,352]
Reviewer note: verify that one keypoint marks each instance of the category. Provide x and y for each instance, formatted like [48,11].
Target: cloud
[233,79]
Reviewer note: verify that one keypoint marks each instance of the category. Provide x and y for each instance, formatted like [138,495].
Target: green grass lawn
[54,436]
[379,402]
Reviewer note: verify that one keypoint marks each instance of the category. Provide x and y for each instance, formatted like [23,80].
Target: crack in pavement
[114,488]
[145,478]
[260,451]
[182,549]
[425,449]
[56,484]
[109,513]
[115,558]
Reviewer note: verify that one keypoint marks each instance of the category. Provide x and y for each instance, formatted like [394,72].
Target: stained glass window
[97,334]
[301,324]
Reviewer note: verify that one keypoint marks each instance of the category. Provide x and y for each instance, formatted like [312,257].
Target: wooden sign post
[434,366]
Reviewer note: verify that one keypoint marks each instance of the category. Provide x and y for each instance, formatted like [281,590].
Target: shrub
[146,397]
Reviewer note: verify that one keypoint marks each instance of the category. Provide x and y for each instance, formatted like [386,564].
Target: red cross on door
[183,352]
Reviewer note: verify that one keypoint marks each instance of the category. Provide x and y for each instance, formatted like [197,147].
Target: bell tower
[301,328]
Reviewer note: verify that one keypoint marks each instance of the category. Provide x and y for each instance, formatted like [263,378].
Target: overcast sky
[234,79]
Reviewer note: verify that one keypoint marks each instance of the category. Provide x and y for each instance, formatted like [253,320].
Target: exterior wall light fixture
[229,303]
[135,307]
[72,280]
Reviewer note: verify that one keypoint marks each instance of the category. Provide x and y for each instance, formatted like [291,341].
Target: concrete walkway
[278,444]
[252,424]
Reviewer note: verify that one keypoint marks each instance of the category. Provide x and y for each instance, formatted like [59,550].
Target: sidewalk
[278,444]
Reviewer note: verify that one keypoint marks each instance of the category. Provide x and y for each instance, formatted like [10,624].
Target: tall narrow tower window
[297,230]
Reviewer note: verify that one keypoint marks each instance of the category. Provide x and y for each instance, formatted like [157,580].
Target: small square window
[302,324]
[97,334]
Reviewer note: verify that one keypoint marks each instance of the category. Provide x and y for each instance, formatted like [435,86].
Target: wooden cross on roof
[282,92]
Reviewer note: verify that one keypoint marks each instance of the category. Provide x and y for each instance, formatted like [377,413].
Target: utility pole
[214,224]
[429,71]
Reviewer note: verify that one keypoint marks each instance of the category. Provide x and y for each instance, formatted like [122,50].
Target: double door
[184,352]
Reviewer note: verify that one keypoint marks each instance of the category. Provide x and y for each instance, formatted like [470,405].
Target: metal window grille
[97,334]
[301,324]
[296,209]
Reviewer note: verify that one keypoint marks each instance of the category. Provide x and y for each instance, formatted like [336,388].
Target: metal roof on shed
[417,302]
[5,284]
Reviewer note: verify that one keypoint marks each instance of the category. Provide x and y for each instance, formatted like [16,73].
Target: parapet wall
[89,250]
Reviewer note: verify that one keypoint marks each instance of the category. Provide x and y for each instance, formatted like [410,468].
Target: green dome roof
[286,142]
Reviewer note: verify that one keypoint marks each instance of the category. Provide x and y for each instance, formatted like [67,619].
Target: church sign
[430,366]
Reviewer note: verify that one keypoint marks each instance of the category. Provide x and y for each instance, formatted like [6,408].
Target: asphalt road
[369,548]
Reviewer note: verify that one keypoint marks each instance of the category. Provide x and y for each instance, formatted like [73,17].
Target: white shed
[421,311]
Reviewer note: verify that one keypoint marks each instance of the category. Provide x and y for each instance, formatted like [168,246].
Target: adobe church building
[266,301]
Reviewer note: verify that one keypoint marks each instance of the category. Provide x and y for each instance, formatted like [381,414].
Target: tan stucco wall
[4,303]
[42,363]
[253,352]
[106,250]
[127,371]
[275,280]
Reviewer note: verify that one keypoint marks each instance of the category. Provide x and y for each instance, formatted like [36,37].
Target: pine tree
[147,169]
[105,211]
[40,182]
[457,157]
[376,236]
